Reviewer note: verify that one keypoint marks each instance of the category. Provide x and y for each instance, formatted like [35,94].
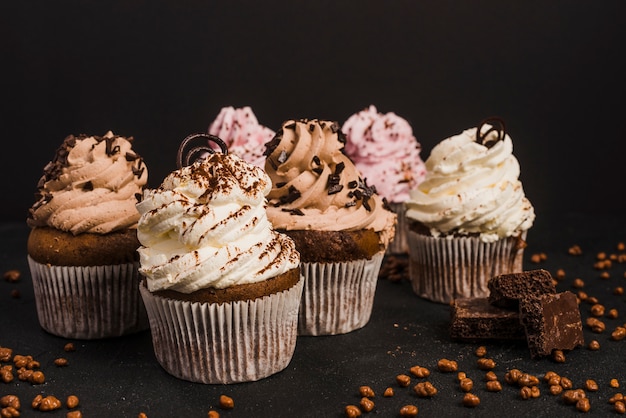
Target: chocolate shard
[551,322]
[475,319]
[507,290]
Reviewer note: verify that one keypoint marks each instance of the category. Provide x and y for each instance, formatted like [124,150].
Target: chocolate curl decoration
[497,125]
[188,153]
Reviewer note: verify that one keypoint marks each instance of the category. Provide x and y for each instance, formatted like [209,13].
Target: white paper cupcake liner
[224,343]
[442,269]
[399,244]
[338,297]
[88,302]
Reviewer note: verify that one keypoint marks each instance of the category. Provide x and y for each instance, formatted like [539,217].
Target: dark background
[159,70]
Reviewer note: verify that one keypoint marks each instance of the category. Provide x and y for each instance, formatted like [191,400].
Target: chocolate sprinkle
[366,203]
[292,195]
[335,188]
[273,143]
[131,156]
[294,211]
[110,149]
[281,184]
[138,171]
[88,186]
[497,125]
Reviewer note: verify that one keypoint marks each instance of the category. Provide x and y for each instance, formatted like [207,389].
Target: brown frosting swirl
[317,187]
[92,185]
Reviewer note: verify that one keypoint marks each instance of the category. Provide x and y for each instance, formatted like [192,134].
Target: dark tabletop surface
[121,378]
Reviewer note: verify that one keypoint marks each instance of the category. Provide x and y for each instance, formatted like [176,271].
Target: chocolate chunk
[475,319]
[507,290]
[551,322]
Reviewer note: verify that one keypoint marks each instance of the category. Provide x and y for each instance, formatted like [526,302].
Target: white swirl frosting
[471,188]
[206,227]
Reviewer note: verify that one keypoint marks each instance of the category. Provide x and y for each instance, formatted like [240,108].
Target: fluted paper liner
[338,297]
[444,268]
[88,302]
[399,244]
[229,342]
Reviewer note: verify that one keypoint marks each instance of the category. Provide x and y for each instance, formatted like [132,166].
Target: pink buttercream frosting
[241,131]
[385,151]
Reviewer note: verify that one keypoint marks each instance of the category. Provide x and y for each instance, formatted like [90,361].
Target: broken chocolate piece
[475,319]
[551,322]
[507,290]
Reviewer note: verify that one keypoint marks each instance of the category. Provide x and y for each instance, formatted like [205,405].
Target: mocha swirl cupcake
[222,288]
[82,247]
[469,217]
[341,227]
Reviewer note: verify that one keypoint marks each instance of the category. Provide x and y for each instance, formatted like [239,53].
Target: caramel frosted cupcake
[469,217]
[339,224]
[82,247]
[387,154]
[222,288]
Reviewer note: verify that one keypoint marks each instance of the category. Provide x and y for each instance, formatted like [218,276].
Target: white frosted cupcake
[222,288]
[82,247]
[341,227]
[385,151]
[468,219]
[243,134]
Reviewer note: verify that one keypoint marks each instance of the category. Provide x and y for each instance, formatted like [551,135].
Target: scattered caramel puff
[575,250]
[12,276]
[538,258]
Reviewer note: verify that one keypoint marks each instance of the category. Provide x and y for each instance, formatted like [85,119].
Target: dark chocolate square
[506,290]
[474,319]
[551,322]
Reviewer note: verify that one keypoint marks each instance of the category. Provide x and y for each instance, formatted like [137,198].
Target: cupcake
[341,227]
[469,218]
[385,151]
[82,246]
[222,288]
[242,133]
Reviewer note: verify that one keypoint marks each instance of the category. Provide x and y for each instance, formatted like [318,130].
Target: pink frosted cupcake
[387,154]
[222,288]
[82,247]
[242,133]
[341,227]
[468,219]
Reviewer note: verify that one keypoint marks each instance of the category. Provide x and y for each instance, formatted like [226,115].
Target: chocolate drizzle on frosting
[497,126]
[189,153]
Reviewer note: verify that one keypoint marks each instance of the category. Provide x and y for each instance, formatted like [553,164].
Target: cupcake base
[338,297]
[399,244]
[221,343]
[88,302]
[442,269]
